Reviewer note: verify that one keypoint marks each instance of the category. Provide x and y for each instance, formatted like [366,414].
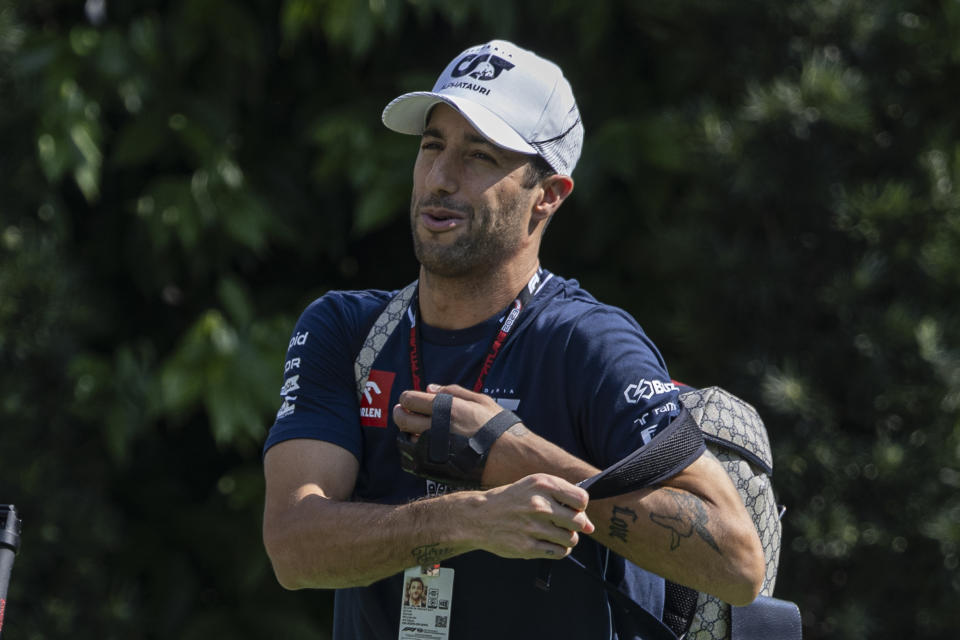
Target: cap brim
[408,114]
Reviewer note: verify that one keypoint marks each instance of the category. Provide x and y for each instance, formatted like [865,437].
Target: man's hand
[317,538]
[470,410]
[539,516]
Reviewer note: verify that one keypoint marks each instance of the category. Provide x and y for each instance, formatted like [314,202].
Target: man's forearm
[686,538]
[322,543]
[694,530]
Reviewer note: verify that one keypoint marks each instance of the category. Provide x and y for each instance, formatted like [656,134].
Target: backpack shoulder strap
[727,420]
[382,328]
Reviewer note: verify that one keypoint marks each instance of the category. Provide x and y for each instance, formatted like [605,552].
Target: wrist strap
[482,441]
[440,428]
[445,456]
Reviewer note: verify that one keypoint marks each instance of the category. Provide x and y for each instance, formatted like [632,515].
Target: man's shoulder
[569,304]
[584,328]
[351,306]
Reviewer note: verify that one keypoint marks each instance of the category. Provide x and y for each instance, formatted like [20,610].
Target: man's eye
[480,155]
[428,145]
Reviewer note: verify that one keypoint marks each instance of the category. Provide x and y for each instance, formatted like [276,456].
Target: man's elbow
[749,568]
[289,579]
[296,568]
[286,569]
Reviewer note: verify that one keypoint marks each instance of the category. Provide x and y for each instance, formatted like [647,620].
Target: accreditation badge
[425,603]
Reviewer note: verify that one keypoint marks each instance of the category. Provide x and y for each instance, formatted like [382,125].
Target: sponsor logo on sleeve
[645,389]
[375,401]
[648,433]
[290,365]
[287,408]
[290,385]
[298,340]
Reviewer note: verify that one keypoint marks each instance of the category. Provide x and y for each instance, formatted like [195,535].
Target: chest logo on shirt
[375,402]
[506,397]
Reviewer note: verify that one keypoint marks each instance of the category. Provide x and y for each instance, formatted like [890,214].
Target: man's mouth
[440,219]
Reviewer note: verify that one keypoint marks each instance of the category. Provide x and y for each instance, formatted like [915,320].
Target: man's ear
[554,190]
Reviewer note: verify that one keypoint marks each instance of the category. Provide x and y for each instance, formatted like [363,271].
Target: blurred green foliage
[772,188]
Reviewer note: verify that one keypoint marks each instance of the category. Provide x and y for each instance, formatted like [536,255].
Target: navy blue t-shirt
[578,373]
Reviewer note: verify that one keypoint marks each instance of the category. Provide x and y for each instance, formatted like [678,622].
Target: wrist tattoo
[518,430]
[429,554]
[618,524]
[689,517]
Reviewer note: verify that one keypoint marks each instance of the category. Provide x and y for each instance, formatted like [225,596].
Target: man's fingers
[417,401]
[422,401]
[585,524]
[533,518]
[554,551]
[456,391]
[555,536]
[567,503]
[558,489]
[573,520]
[470,411]
[410,422]
[560,535]
[572,496]
[557,521]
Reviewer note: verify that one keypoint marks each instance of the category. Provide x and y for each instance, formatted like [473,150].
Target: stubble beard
[489,238]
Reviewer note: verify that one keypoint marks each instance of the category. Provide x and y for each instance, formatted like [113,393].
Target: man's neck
[461,302]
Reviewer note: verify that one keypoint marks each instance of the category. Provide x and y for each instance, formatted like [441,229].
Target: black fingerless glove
[448,457]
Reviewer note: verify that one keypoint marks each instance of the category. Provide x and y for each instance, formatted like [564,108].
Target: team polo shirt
[577,372]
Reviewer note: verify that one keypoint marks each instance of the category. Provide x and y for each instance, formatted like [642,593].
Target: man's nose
[444,174]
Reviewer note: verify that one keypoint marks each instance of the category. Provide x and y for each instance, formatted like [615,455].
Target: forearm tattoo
[619,521]
[689,517]
[430,554]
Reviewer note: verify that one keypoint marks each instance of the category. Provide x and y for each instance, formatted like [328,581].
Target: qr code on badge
[441,622]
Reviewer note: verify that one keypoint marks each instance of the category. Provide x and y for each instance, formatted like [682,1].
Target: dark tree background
[771,187]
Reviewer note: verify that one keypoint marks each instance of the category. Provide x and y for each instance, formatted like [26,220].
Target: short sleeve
[624,394]
[318,394]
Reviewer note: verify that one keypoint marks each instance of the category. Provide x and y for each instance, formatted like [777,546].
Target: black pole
[9,545]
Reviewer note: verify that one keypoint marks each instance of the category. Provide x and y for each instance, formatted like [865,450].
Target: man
[500,135]
[416,593]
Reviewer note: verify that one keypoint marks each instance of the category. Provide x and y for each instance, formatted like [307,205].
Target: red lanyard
[507,324]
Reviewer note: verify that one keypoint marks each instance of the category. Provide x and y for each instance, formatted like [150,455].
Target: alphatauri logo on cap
[483,67]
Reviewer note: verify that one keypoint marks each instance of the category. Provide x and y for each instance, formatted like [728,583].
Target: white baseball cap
[513,97]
